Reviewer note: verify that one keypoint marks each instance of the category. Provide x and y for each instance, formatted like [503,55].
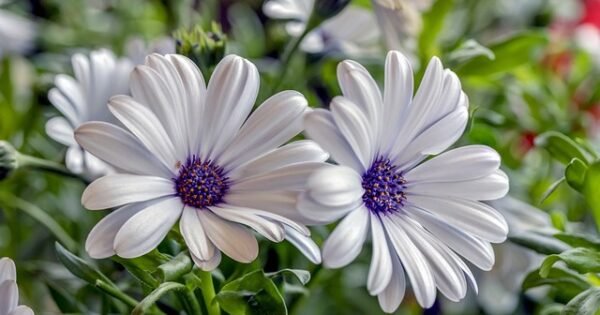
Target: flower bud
[205,48]
[8,159]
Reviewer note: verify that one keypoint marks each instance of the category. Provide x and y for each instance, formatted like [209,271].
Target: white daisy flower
[83,98]
[16,33]
[9,292]
[421,214]
[191,153]
[353,31]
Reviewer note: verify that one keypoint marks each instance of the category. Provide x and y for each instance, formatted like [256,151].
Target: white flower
[587,37]
[353,31]
[137,49]
[500,288]
[16,33]
[421,213]
[191,153]
[83,98]
[9,292]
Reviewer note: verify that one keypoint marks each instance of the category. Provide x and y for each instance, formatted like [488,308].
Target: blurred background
[528,67]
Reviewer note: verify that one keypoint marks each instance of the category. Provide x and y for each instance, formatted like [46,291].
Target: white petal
[9,296]
[120,149]
[273,231]
[231,238]
[157,88]
[346,241]
[273,123]
[146,229]
[301,151]
[469,216]
[357,85]
[280,202]
[100,242]
[491,187]
[397,96]
[415,264]
[335,186]
[195,96]
[355,128]
[304,244]
[464,163]
[319,213]
[59,129]
[319,126]
[194,234]
[118,189]
[478,252]
[21,310]
[210,264]
[232,90]
[392,296]
[287,177]
[147,128]
[447,275]
[381,269]
[7,270]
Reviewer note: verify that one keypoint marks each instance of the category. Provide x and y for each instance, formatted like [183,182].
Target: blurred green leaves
[252,294]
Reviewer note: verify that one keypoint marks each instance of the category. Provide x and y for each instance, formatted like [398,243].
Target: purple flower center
[384,188]
[201,184]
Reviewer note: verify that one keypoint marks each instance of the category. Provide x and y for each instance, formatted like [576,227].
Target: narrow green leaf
[582,260]
[551,189]
[302,275]
[155,295]
[540,243]
[79,267]
[175,268]
[575,174]
[468,50]
[586,303]
[561,147]
[567,283]
[591,191]
[252,294]
[433,24]
[579,240]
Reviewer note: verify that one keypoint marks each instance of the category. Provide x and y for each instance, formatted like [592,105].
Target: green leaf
[586,303]
[551,309]
[252,294]
[575,174]
[551,189]
[591,190]
[175,268]
[579,240]
[561,147]
[540,243]
[567,283]
[433,24]
[79,267]
[302,275]
[468,50]
[510,53]
[582,260]
[155,295]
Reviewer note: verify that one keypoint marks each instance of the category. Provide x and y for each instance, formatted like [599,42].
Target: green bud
[8,159]
[205,47]
[325,9]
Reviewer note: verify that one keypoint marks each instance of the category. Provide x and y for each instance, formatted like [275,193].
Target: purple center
[201,184]
[384,188]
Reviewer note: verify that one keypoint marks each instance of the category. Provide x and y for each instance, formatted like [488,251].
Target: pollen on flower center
[384,188]
[201,184]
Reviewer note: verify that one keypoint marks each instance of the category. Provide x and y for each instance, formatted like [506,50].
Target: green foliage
[582,260]
[252,294]
[591,190]
[586,303]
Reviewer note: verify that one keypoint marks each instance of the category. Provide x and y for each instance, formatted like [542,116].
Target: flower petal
[320,126]
[21,310]
[304,244]
[355,128]
[273,123]
[7,270]
[280,202]
[273,231]
[232,91]
[193,232]
[120,149]
[287,177]
[381,269]
[493,186]
[118,189]
[335,186]
[346,241]
[59,129]
[9,296]
[415,264]
[393,294]
[231,238]
[210,264]
[147,128]
[318,213]
[100,242]
[147,228]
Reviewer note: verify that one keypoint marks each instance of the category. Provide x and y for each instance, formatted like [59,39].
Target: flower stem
[44,165]
[208,292]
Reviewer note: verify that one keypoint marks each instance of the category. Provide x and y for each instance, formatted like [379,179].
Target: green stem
[44,165]
[208,292]
[116,293]
[189,300]
[191,303]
